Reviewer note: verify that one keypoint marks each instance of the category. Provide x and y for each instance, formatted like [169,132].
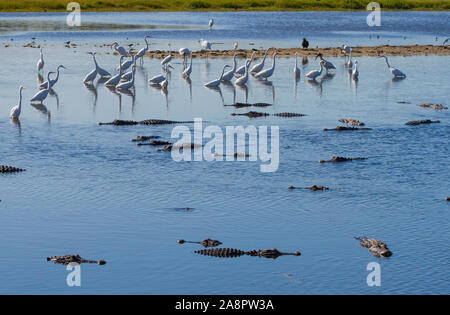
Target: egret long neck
[48,80]
[20,98]
[387,62]
[95,61]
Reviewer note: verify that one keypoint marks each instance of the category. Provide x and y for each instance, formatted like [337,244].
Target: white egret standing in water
[267,73]
[326,64]
[243,80]
[395,72]
[141,53]
[53,82]
[211,23]
[129,84]
[122,51]
[187,72]
[241,70]
[258,67]
[166,61]
[42,95]
[315,73]
[216,83]
[40,63]
[16,110]
[184,52]
[296,69]
[355,73]
[116,79]
[230,74]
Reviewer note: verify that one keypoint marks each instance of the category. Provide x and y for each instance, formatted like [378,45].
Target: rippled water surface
[89,190]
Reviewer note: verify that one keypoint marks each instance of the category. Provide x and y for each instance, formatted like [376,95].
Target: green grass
[218,5]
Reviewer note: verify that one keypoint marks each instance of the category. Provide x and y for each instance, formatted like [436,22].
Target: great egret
[141,53]
[229,75]
[395,72]
[346,50]
[241,70]
[122,51]
[236,45]
[53,82]
[102,72]
[157,79]
[129,84]
[267,73]
[127,76]
[326,64]
[211,23]
[349,63]
[216,83]
[164,83]
[296,69]
[305,43]
[187,72]
[16,110]
[127,64]
[184,52]
[42,95]
[165,62]
[40,63]
[243,80]
[258,67]
[315,73]
[90,77]
[116,79]
[355,72]
[205,44]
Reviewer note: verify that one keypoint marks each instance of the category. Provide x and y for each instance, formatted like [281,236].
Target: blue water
[89,190]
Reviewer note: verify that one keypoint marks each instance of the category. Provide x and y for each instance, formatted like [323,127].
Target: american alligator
[154,143]
[243,105]
[313,188]
[433,106]
[205,243]
[253,114]
[420,122]
[339,159]
[10,169]
[288,115]
[170,147]
[145,122]
[144,138]
[231,253]
[351,121]
[342,128]
[75,259]
[235,155]
[375,247]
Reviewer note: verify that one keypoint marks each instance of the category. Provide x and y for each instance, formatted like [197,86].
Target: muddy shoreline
[412,50]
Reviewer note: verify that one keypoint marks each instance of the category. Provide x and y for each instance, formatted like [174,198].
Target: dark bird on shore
[305,43]
[67,43]
[445,41]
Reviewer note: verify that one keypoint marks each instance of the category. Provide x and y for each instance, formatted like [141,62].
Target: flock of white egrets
[124,80]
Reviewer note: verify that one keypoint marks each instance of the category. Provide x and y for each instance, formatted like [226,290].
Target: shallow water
[89,190]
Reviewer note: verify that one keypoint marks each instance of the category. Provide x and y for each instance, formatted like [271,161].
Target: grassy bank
[218,5]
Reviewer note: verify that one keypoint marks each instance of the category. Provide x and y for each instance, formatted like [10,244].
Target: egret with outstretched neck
[395,72]
[230,74]
[264,74]
[241,70]
[184,52]
[102,72]
[296,69]
[166,61]
[141,53]
[315,73]
[127,64]
[40,64]
[116,79]
[16,110]
[129,84]
[122,51]
[53,82]
[258,67]
[42,95]
[326,64]
[216,83]
[244,79]
[355,73]
[187,72]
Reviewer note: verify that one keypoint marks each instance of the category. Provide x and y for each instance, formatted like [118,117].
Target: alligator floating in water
[433,106]
[73,259]
[253,114]
[421,122]
[313,188]
[145,122]
[243,105]
[342,128]
[154,143]
[184,146]
[339,159]
[375,247]
[144,138]
[231,253]
[205,243]
[351,122]
[10,169]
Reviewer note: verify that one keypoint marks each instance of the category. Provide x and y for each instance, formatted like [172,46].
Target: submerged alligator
[339,159]
[433,106]
[144,122]
[243,105]
[421,122]
[351,122]
[253,114]
[144,138]
[184,146]
[73,259]
[10,169]
[375,247]
[342,128]
[155,143]
[231,253]
[312,188]
[205,243]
